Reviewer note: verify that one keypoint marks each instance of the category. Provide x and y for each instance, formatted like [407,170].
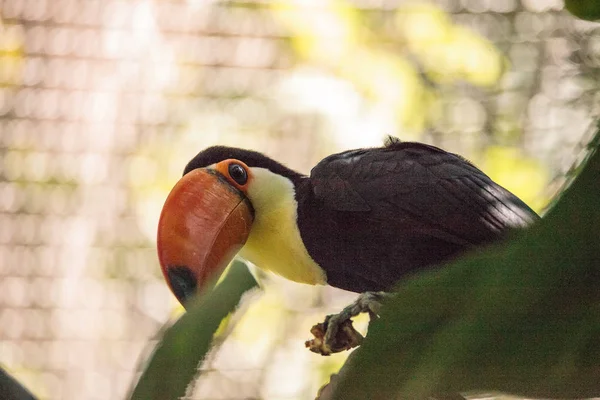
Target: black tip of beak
[183,283]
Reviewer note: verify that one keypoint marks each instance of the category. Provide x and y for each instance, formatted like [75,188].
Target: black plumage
[368,217]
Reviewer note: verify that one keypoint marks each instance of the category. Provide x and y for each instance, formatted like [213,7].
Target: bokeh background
[102,103]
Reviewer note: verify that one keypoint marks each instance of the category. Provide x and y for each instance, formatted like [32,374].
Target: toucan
[363,220]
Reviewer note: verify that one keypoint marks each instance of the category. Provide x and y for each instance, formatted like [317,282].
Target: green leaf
[521,317]
[584,9]
[174,363]
[11,389]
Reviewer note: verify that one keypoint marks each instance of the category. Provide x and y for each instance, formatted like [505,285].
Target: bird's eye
[238,173]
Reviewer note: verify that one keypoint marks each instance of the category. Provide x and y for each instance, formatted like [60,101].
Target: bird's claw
[336,333]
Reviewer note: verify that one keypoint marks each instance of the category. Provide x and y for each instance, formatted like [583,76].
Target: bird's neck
[274,243]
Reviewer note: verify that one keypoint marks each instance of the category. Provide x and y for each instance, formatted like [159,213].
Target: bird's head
[209,213]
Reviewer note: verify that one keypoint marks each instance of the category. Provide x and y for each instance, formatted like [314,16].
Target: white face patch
[274,243]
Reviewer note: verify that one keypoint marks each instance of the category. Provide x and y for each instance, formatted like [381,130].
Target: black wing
[380,213]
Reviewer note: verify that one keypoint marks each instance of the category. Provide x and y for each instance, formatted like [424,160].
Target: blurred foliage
[447,51]
[521,317]
[183,346]
[520,174]
[336,36]
[11,53]
[584,9]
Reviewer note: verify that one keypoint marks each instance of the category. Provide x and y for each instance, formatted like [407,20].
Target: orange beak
[204,223]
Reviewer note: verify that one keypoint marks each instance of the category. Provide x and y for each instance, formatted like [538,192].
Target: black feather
[371,216]
[216,154]
[391,140]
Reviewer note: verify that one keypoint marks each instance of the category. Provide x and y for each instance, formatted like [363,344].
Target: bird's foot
[336,333]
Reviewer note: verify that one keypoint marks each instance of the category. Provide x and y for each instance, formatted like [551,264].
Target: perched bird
[361,221]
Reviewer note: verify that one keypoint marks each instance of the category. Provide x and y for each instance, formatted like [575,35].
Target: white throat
[274,242]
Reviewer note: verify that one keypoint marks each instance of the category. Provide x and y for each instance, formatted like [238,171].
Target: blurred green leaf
[11,389]
[174,363]
[521,174]
[521,317]
[584,9]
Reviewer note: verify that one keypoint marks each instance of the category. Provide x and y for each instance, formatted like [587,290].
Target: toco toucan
[361,221]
